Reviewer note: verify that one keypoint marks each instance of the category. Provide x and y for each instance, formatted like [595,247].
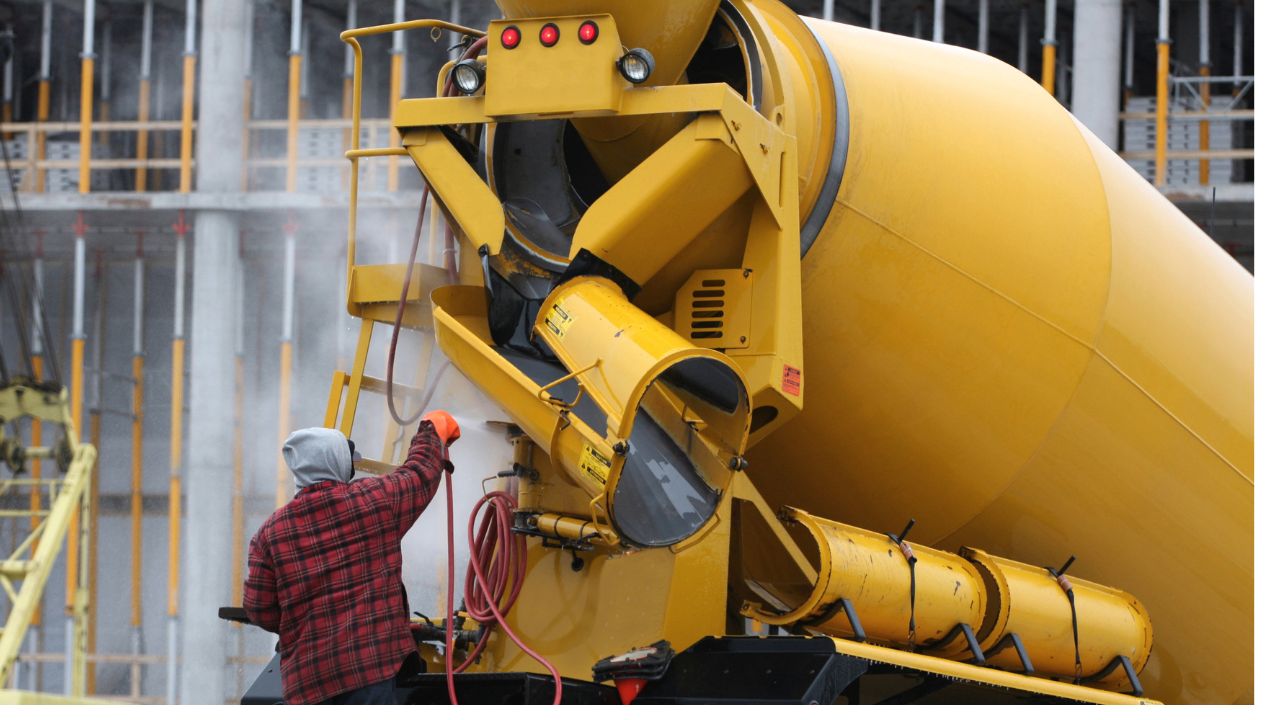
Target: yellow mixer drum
[1011,336]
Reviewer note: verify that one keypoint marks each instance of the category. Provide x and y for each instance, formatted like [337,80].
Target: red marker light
[511,37]
[588,32]
[550,35]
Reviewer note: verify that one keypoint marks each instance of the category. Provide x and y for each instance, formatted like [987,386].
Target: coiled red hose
[494,577]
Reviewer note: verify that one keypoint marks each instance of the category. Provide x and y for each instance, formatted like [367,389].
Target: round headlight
[468,76]
[636,65]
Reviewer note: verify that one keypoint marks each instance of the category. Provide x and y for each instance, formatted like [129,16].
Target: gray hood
[315,455]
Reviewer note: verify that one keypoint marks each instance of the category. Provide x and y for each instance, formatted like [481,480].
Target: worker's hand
[446,427]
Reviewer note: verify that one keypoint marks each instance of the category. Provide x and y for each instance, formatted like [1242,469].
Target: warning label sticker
[558,320]
[594,464]
[791,380]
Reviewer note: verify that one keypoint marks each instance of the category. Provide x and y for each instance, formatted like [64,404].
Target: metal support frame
[95,439]
[304,74]
[1049,47]
[86,97]
[1162,96]
[175,452]
[1119,661]
[144,95]
[1237,42]
[1205,67]
[295,94]
[23,578]
[844,605]
[247,141]
[348,75]
[76,570]
[939,20]
[875,14]
[984,26]
[6,113]
[188,98]
[104,86]
[286,356]
[1024,23]
[35,639]
[42,93]
[971,642]
[135,477]
[1014,641]
[1130,20]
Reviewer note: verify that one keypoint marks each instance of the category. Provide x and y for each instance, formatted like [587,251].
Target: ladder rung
[374,467]
[383,283]
[16,569]
[379,385]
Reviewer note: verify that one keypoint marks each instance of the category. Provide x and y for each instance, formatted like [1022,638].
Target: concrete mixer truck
[836,366]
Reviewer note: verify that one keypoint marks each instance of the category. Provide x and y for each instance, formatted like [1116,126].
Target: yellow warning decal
[593,463]
[558,320]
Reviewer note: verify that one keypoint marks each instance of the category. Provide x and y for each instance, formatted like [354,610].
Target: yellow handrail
[352,38]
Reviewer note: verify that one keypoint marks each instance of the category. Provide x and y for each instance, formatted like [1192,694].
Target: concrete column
[1096,51]
[211,446]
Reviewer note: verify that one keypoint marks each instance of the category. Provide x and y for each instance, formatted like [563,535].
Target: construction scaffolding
[26,568]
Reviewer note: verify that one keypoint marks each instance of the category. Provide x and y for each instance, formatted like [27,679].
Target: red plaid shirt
[324,574]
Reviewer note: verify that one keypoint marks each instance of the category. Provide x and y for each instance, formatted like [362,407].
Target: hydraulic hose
[450,258]
[498,556]
[395,329]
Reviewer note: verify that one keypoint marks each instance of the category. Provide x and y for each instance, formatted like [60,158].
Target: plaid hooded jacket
[324,574]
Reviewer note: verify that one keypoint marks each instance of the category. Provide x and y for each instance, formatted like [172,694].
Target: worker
[324,570]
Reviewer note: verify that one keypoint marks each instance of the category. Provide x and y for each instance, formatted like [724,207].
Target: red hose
[450,265]
[412,417]
[498,557]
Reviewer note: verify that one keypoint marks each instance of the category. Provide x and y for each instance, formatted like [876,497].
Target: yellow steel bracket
[544,392]
[985,675]
[764,148]
[464,196]
[49,406]
[667,196]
